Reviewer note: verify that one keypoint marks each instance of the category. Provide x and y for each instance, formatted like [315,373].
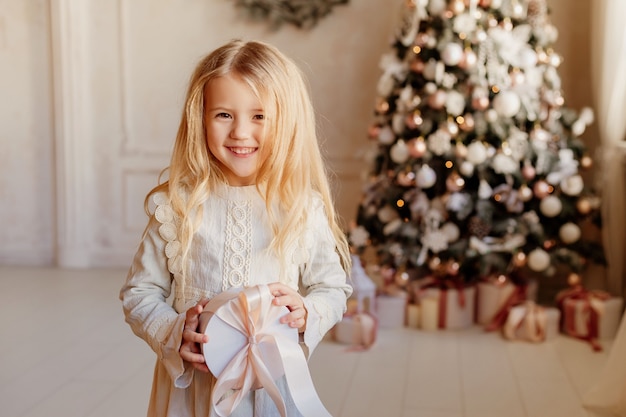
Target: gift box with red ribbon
[357,330]
[589,315]
[249,348]
[496,295]
[531,322]
[445,304]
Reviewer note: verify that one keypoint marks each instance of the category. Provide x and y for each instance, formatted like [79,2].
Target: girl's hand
[286,296]
[190,350]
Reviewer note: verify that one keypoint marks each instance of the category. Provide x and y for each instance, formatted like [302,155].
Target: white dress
[229,250]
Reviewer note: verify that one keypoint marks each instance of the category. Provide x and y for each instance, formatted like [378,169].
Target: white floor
[66,351]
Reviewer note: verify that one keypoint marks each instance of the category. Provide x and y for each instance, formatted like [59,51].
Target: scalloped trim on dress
[165,215]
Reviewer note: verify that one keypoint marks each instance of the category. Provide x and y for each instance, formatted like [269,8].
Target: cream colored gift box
[458,312]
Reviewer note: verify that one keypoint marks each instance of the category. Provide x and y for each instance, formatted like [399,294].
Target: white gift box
[391,310]
[457,313]
[578,319]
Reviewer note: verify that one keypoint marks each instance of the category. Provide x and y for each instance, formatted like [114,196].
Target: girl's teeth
[242,151]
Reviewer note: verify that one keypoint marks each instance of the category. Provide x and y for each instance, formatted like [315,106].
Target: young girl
[247,202]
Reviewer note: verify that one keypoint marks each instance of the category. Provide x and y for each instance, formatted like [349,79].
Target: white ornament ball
[426,177]
[551,206]
[507,103]
[386,136]
[467,168]
[451,231]
[399,152]
[569,233]
[572,185]
[430,88]
[538,260]
[491,115]
[431,69]
[452,54]
[387,214]
[455,103]
[476,153]
[528,58]
[436,7]
[484,190]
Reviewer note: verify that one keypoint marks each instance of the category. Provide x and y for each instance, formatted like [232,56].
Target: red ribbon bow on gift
[518,296]
[249,348]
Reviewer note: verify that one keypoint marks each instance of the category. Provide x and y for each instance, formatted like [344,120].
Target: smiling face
[234,122]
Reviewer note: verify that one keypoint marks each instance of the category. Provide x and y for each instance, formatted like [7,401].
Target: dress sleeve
[144,301]
[323,279]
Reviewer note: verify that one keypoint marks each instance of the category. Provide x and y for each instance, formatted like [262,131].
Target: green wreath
[303,14]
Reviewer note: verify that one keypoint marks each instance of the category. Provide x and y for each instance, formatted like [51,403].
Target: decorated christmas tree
[477,167]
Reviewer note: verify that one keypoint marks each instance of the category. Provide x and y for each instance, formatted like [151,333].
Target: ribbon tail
[299,381]
[500,318]
[265,378]
[231,379]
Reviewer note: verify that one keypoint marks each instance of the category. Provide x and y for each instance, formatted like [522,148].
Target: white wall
[27,204]
[75,165]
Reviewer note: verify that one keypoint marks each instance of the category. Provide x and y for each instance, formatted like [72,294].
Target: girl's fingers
[192,357]
[192,336]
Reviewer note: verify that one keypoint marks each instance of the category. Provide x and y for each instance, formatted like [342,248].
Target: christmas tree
[477,164]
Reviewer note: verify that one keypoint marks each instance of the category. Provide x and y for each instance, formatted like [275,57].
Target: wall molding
[69,19]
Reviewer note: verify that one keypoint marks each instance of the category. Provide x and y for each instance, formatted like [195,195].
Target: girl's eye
[259,117]
[222,115]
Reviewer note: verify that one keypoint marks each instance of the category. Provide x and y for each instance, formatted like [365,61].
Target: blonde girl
[247,202]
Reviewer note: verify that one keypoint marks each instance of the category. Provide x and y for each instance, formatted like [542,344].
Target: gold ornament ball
[382,106]
[437,100]
[573,279]
[519,260]
[453,268]
[480,103]
[374,131]
[583,205]
[454,182]
[586,162]
[417,147]
[434,263]
[468,123]
[417,66]
[401,278]
[525,193]
[541,189]
[549,244]
[528,172]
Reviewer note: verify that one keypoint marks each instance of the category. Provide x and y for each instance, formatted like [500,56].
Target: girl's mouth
[242,151]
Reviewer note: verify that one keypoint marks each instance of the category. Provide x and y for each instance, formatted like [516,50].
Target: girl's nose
[242,129]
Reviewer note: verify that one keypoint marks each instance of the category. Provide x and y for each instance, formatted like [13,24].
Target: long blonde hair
[292,167]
